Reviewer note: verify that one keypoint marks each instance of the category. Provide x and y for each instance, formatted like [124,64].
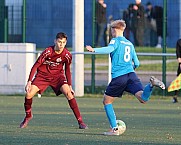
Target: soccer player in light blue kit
[124,61]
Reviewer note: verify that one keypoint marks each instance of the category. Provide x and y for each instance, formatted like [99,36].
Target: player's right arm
[40,60]
[28,86]
[31,75]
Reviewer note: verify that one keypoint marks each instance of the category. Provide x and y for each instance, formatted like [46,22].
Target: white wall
[15,67]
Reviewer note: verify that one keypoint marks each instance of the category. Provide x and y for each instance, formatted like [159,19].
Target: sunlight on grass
[157,122]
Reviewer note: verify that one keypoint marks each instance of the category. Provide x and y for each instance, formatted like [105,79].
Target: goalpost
[78,46]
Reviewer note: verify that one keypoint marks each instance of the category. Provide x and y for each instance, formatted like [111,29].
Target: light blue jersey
[123,56]
[124,78]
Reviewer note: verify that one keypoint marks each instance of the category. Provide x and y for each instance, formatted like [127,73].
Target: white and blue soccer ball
[121,126]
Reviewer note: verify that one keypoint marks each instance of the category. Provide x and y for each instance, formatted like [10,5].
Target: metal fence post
[164,43]
[93,44]
[24,21]
[5,30]
[5,24]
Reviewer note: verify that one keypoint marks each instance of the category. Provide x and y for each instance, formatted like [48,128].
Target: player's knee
[29,95]
[138,96]
[106,100]
[69,95]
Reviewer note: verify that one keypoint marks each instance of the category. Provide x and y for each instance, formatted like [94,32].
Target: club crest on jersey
[112,42]
[59,59]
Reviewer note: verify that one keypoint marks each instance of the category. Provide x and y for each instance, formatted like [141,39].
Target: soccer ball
[121,126]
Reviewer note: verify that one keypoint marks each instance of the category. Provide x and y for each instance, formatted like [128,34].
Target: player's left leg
[65,89]
[108,100]
[115,89]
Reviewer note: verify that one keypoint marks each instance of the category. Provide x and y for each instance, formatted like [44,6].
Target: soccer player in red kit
[52,68]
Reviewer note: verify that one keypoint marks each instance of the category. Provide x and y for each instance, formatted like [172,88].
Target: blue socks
[110,115]
[110,111]
[146,92]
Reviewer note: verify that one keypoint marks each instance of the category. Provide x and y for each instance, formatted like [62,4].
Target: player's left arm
[105,50]
[135,59]
[39,61]
[68,72]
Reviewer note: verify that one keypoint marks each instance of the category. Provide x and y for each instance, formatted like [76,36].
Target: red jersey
[51,64]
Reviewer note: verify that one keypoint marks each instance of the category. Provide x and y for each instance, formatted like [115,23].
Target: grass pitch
[156,123]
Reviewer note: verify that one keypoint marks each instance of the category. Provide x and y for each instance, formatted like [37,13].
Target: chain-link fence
[43,19]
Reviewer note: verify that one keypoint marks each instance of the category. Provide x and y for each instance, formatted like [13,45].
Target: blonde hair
[119,24]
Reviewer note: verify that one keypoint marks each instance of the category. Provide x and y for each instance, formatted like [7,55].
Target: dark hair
[61,35]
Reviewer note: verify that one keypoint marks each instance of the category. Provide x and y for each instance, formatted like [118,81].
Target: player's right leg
[156,82]
[144,96]
[27,106]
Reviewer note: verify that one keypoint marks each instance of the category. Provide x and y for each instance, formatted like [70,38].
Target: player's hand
[89,48]
[72,91]
[28,86]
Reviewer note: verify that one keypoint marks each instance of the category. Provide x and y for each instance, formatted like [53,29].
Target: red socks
[72,103]
[75,109]
[27,106]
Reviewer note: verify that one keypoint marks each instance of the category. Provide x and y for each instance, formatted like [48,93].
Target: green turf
[156,123]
